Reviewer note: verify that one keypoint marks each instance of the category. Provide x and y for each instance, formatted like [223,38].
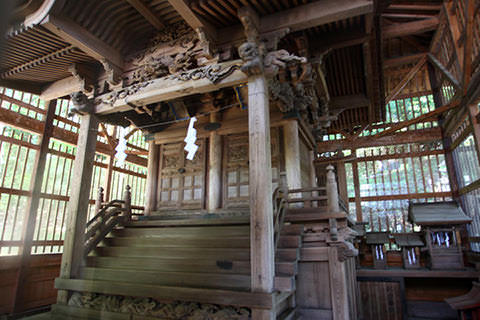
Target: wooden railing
[280,204]
[108,216]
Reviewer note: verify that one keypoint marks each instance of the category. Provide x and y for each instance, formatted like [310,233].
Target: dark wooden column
[152,177]
[32,205]
[77,210]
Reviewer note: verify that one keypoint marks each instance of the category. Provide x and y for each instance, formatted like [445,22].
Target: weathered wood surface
[168,88]
[72,257]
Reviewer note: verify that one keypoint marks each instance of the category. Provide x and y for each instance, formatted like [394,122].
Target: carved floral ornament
[151,308]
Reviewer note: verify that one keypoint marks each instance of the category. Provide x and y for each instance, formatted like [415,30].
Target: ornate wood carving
[214,73]
[81,104]
[153,308]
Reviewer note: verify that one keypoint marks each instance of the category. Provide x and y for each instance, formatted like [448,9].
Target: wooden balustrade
[280,202]
[108,216]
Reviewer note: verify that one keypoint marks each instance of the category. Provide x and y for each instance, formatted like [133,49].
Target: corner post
[127,203]
[260,166]
[332,190]
[77,210]
[152,177]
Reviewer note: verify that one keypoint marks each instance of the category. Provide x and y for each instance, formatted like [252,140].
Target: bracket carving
[83,76]
[113,74]
[81,104]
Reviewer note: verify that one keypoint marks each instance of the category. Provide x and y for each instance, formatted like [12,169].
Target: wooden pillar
[338,286]
[473,111]
[260,187]
[356,186]
[31,209]
[152,178]
[77,209]
[292,154]
[332,190]
[313,173]
[214,168]
[342,182]
[437,100]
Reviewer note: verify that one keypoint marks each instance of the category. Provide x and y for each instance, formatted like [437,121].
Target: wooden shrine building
[239,159]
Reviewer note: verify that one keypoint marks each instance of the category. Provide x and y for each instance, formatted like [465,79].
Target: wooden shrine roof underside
[357,49]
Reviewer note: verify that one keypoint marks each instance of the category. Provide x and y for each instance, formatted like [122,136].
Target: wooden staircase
[203,259]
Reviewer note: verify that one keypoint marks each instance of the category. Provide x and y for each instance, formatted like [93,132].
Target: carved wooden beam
[183,9]
[145,11]
[201,80]
[409,28]
[80,37]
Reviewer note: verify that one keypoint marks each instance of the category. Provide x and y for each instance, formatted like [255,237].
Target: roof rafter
[192,19]
[80,37]
[147,13]
[409,28]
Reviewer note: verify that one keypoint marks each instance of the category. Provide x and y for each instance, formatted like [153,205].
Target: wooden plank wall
[42,271]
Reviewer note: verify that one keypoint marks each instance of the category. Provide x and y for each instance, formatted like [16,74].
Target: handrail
[280,204]
[108,216]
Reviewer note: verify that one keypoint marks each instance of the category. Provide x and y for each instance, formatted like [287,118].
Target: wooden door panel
[181,181]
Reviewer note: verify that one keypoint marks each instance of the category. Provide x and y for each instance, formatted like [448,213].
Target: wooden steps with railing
[203,258]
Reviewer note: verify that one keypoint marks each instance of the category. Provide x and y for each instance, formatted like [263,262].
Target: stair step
[288,254]
[311,217]
[317,210]
[176,279]
[286,268]
[218,232]
[171,242]
[304,199]
[237,254]
[292,230]
[172,265]
[214,296]
[189,222]
[286,241]
[235,282]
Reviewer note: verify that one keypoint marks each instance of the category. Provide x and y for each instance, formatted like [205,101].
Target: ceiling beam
[349,102]
[398,61]
[302,17]
[83,39]
[339,40]
[20,85]
[147,13]
[61,88]
[409,28]
[192,19]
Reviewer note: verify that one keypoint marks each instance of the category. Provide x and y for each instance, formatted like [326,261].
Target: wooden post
[77,210]
[127,203]
[152,178]
[31,209]
[356,186]
[473,111]
[99,200]
[108,183]
[260,164]
[342,182]
[292,154]
[260,186]
[214,168]
[332,190]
